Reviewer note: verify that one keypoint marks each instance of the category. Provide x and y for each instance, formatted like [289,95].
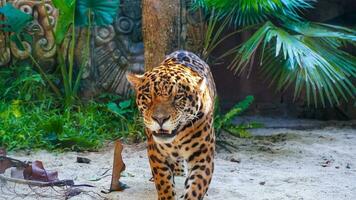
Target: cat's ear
[134,79]
[202,84]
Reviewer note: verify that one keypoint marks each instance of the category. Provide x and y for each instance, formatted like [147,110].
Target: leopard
[176,102]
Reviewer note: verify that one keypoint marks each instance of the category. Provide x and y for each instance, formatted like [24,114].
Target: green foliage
[15,22]
[121,109]
[22,83]
[225,121]
[311,59]
[25,125]
[78,13]
[130,118]
[65,49]
[104,12]
[291,50]
[248,12]
[31,118]
[65,18]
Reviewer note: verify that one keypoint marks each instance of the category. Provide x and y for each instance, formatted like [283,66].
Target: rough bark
[159,21]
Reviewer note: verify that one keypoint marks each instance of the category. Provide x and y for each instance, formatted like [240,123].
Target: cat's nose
[160,119]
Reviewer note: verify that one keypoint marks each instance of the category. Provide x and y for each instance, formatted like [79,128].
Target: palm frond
[312,29]
[311,60]
[214,34]
[247,12]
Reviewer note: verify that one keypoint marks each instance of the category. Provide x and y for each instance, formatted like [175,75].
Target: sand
[277,164]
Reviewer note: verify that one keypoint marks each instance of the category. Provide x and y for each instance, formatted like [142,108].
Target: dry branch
[58,183]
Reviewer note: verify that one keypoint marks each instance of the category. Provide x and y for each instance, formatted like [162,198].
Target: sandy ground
[276,164]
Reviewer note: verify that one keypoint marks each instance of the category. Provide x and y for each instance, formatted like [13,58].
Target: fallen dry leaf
[36,172]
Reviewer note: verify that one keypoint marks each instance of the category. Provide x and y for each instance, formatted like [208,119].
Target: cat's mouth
[162,133]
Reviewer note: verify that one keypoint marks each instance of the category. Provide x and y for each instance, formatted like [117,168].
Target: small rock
[327,162]
[348,166]
[83,160]
[71,192]
[337,167]
[235,160]
[262,182]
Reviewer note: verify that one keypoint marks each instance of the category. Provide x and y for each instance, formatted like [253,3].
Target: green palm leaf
[247,12]
[313,61]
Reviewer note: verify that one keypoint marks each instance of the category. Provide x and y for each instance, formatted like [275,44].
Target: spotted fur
[176,102]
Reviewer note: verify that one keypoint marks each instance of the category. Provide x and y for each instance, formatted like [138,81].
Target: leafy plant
[311,59]
[72,13]
[45,125]
[129,118]
[84,13]
[15,21]
[23,83]
[248,12]
[291,50]
[225,121]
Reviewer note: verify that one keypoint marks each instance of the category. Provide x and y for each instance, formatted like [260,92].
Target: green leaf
[125,104]
[113,107]
[311,29]
[104,12]
[15,20]
[238,131]
[225,121]
[120,111]
[237,109]
[65,19]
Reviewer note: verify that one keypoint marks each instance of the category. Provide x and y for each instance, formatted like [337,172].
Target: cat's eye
[178,97]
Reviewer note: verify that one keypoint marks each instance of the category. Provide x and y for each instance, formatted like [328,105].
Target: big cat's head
[168,99]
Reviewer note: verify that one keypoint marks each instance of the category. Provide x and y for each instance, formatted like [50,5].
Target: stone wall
[114,49]
[117,48]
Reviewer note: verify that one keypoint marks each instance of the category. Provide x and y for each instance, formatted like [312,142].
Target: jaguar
[176,101]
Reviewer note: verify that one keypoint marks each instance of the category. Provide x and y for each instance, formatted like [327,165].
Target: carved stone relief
[117,49]
[41,30]
[114,49]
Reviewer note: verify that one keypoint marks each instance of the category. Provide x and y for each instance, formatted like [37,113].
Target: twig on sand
[58,183]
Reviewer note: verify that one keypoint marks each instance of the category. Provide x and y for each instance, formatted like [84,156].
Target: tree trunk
[169,25]
[158,29]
